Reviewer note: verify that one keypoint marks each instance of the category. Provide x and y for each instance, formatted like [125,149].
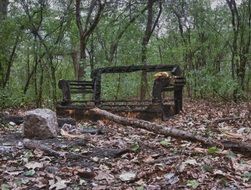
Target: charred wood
[20,119]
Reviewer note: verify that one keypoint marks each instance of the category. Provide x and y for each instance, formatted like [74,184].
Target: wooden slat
[81,91]
[80,81]
[80,88]
[80,84]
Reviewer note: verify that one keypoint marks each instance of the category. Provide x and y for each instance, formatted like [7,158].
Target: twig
[220,120]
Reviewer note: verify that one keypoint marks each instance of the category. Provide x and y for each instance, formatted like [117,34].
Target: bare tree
[96,7]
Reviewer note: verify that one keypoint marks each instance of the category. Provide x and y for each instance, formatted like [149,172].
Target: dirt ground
[112,156]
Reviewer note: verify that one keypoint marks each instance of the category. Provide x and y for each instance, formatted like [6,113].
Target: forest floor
[122,157]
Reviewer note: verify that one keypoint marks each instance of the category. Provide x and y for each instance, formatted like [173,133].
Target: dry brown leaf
[71,136]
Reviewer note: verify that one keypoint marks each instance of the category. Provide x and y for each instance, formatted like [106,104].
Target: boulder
[40,124]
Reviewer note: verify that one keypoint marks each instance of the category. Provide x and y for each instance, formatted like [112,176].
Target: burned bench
[156,105]
[69,87]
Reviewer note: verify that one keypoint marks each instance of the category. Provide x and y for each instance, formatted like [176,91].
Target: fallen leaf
[165,143]
[135,147]
[85,173]
[105,176]
[246,176]
[13,173]
[71,136]
[140,188]
[60,184]
[219,172]
[193,184]
[34,165]
[212,150]
[30,173]
[5,187]
[192,162]
[171,178]
[41,183]
[148,159]
[127,176]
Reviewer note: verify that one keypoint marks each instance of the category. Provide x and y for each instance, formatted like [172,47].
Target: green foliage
[193,184]
[210,84]
[246,176]
[13,97]
[212,150]
[5,187]
[203,48]
[30,173]
[166,143]
[135,147]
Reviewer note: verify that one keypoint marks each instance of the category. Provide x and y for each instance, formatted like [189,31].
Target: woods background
[46,40]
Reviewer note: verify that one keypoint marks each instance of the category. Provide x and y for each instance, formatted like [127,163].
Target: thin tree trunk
[53,81]
[3,9]
[32,73]
[150,26]
[75,61]
[86,30]
[10,63]
[40,88]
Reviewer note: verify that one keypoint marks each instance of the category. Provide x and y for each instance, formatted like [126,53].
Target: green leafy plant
[193,184]
[212,150]
[135,147]
[166,143]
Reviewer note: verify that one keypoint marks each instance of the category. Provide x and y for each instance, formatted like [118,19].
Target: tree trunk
[75,61]
[150,26]
[86,30]
[10,63]
[145,41]
[39,99]
[3,9]
[173,132]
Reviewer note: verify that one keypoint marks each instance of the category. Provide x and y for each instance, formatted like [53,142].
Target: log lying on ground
[33,144]
[173,132]
[4,118]
[11,118]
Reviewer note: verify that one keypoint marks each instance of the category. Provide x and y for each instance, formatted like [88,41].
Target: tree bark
[3,9]
[86,30]
[10,62]
[173,132]
[241,39]
[150,26]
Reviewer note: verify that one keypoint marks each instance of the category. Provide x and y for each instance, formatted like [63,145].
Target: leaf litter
[122,157]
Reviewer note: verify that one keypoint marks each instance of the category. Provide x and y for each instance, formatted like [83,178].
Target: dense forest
[126,58]
[46,40]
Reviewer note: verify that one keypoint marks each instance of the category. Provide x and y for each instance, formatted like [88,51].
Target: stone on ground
[40,124]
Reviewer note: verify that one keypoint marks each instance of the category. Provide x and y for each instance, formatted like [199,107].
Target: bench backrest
[69,87]
[97,73]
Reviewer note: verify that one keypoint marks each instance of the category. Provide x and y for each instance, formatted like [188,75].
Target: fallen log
[33,144]
[4,118]
[242,147]
[11,118]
